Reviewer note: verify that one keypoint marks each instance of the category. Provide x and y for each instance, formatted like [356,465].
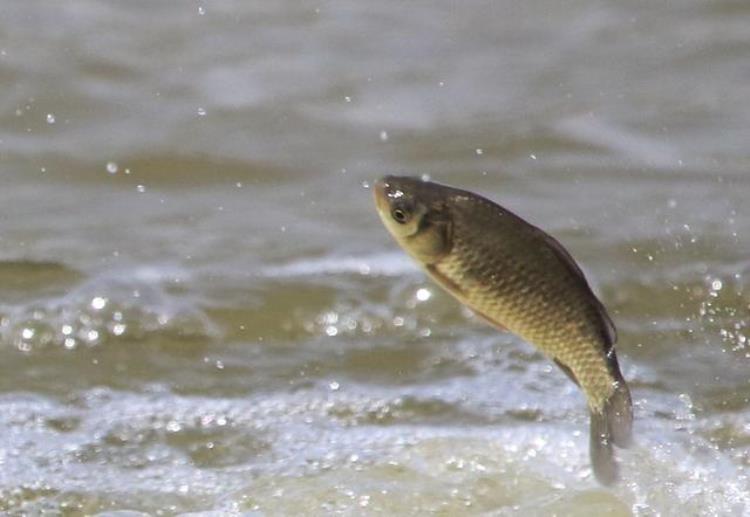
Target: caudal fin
[619,411]
[613,425]
[603,460]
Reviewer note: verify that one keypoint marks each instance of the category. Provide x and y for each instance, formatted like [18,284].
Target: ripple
[102,310]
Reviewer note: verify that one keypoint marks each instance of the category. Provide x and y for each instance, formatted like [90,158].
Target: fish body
[519,278]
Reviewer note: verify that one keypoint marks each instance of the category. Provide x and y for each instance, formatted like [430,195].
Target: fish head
[416,214]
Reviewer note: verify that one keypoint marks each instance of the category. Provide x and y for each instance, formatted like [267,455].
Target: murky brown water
[200,311]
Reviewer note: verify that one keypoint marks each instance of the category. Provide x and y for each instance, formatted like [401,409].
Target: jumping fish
[520,279]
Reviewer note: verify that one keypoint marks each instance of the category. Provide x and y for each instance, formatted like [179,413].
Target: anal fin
[567,371]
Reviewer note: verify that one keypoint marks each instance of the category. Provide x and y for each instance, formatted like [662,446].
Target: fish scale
[555,333]
[521,279]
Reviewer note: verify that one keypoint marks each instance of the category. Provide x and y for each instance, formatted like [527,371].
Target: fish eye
[400,215]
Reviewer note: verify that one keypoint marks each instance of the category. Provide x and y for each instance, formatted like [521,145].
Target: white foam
[385,264]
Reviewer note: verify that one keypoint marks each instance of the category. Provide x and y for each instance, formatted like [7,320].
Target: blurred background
[200,311]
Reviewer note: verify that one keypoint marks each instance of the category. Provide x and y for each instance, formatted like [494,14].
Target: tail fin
[619,411]
[612,425]
[600,449]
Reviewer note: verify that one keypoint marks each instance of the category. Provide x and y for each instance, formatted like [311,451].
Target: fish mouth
[380,191]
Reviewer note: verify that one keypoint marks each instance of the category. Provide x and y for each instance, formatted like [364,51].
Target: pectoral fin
[445,282]
[489,320]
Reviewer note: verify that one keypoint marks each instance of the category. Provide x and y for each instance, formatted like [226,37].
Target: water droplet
[423,294]
[27,333]
[717,284]
[425,177]
[441,84]
[66,330]
[238,184]
[479,151]
[141,189]
[127,171]
[331,330]
[112,167]
[365,184]
[334,386]
[201,112]
[348,99]
[532,156]
[201,10]
[50,118]
[98,303]
[384,136]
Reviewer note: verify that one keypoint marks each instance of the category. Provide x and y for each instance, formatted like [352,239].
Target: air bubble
[112,167]
[50,118]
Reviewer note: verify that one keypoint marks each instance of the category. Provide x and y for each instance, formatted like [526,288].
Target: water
[200,311]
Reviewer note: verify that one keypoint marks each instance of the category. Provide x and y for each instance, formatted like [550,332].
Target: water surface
[200,311]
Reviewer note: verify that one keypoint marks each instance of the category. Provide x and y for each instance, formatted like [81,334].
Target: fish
[520,279]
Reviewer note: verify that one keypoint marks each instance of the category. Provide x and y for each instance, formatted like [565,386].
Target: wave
[382,264]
